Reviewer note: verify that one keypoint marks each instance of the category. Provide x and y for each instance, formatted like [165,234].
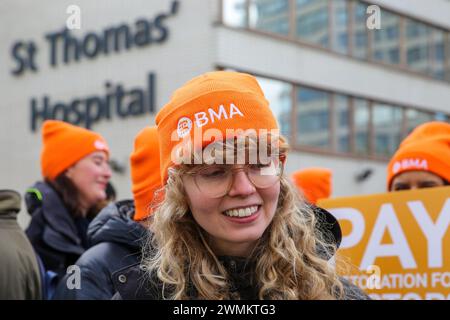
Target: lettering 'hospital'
[89,110]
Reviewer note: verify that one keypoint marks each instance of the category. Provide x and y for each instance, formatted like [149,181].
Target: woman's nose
[107,171]
[241,185]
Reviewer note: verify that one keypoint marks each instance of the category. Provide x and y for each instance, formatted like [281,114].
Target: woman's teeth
[241,212]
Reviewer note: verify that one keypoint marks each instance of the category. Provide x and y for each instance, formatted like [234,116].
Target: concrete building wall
[301,64]
[436,11]
[186,53]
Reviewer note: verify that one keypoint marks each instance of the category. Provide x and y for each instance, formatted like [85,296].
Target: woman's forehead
[236,153]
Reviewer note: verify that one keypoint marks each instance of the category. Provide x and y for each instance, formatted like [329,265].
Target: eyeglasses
[215,181]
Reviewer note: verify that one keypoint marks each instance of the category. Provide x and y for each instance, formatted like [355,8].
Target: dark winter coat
[116,241]
[132,283]
[54,233]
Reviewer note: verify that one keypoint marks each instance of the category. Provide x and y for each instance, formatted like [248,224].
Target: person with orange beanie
[75,169]
[117,234]
[145,173]
[230,225]
[314,183]
[422,160]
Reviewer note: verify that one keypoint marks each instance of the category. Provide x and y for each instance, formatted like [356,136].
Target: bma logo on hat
[184,126]
[100,145]
[406,164]
[202,118]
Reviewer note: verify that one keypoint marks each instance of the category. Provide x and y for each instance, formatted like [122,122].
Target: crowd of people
[199,225]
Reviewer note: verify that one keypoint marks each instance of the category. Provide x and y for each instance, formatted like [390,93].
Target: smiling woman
[231,229]
[74,163]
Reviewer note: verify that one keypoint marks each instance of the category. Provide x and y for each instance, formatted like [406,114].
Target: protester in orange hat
[422,160]
[74,165]
[118,233]
[230,225]
[145,173]
[313,183]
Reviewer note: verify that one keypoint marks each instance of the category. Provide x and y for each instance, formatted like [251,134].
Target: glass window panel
[440,116]
[313,118]
[234,12]
[342,125]
[417,45]
[386,39]
[340,26]
[270,16]
[416,117]
[361,123]
[279,95]
[312,21]
[438,54]
[387,125]
[447,56]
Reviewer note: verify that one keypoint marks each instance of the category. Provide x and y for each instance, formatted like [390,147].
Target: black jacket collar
[60,231]
[115,224]
[133,283]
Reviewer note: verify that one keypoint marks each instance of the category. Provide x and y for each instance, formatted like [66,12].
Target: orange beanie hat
[65,144]
[145,172]
[314,183]
[427,148]
[221,101]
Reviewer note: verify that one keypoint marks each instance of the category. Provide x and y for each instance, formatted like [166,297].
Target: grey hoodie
[19,269]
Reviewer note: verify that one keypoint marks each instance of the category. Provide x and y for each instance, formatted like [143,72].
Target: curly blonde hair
[287,259]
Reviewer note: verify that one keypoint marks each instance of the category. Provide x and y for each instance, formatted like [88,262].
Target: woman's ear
[69,172]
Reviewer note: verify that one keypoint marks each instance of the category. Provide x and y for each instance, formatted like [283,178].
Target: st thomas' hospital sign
[64,49]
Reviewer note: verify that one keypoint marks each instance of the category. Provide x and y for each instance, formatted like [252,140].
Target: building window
[269,16]
[442,117]
[313,118]
[279,95]
[386,40]
[447,55]
[359,34]
[339,27]
[312,21]
[438,54]
[417,46]
[361,120]
[416,117]
[341,123]
[387,125]
[235,12]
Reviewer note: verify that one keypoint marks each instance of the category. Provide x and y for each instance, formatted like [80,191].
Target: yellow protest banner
[399,242]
